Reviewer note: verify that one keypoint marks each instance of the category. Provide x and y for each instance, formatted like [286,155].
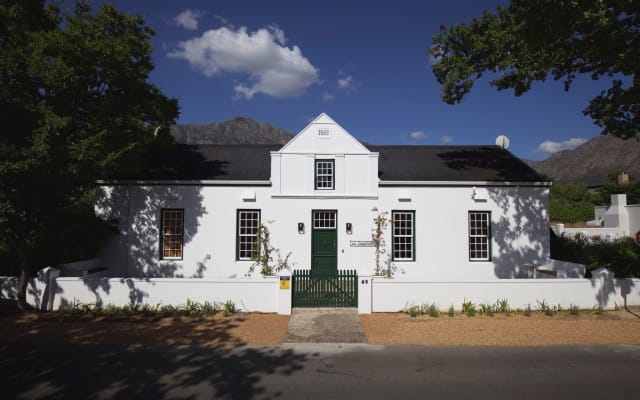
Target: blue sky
[362,62]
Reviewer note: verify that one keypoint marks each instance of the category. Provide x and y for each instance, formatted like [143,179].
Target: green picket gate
[324,289]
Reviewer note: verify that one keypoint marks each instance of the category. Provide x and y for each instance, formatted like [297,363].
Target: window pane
[172,234]
[403,235]
[479,236]
[248,223]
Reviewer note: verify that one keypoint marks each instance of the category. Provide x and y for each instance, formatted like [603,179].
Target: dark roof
[452,163]
[396,163]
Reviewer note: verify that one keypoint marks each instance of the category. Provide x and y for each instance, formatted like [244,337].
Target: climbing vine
[380,223]
[263,257]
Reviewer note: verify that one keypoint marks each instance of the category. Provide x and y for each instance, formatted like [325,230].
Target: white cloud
[417,135]
[347,83]
[446,139]
[551,147]
[188,19]
[327,96]
[273,69]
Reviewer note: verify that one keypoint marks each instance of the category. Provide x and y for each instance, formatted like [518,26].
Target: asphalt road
[312,371]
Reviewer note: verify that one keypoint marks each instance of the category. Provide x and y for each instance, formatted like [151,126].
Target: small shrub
[467,305]
[574,309]
[451,312]
[527,311]
[502,306]
[487,309]
[229,308]
[414,311]
[434,311]
[543,307]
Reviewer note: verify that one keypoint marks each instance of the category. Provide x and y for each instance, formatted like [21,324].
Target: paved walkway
[325,325]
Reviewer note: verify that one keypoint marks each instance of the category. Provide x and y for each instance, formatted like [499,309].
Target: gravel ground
[610,327]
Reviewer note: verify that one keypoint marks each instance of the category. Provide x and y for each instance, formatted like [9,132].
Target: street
[322,371]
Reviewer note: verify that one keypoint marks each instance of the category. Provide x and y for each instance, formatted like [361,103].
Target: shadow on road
[118,371]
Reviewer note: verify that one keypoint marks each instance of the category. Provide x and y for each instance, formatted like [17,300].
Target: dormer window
[325,174]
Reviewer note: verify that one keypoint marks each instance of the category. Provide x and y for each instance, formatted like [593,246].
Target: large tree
[532,40]
[75,106]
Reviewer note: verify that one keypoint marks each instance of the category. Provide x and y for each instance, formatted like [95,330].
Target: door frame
[313,229]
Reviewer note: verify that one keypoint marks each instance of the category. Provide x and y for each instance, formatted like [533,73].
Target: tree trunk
[25,271]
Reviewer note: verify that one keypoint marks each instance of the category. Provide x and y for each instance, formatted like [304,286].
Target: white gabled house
[467,223]
[458,213]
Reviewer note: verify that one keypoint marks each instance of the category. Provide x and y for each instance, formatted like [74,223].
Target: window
[324,220]
[479,236]
[172,234]
[403,235]
[247,229]
[325,174]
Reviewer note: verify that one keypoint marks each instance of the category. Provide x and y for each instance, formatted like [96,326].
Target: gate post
[284,292]
[364,293]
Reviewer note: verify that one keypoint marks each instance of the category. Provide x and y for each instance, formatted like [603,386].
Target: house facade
[452,212]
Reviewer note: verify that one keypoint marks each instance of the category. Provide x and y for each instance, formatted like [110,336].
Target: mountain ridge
[238,130]
[592,162]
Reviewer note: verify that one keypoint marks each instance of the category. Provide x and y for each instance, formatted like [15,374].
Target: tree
[75,106]
[530,41]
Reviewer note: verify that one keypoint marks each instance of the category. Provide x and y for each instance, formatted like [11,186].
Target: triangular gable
[324,136]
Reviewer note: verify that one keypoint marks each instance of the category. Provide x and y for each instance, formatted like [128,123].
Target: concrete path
[325,325]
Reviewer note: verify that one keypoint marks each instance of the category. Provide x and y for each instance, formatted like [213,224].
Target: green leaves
[75,106]
[530,41]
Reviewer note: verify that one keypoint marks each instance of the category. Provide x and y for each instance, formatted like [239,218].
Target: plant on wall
[380,223]
[264,257]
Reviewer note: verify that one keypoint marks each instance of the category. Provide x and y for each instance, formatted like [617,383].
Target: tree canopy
[75,106]
[535,40]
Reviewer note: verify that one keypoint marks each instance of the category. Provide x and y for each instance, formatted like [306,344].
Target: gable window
[247,227]
[479,235]
[403,235]
[325,174]
[171,238]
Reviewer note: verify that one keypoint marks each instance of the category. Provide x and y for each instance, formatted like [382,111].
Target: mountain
[593,161]
[239,130]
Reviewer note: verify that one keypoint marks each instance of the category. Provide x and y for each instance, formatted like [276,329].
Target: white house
[458,212]
[616,221]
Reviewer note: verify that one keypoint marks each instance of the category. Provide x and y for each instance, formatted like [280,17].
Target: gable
[324,136]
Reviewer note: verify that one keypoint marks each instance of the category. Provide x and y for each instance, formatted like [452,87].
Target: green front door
[324,246]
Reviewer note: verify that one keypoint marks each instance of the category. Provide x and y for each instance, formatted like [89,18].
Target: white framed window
[324,219]
[479,236]
[403,235]
[325,174]
[172,234]
[247,227]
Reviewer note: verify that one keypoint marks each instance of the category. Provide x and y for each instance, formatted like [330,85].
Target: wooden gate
[325,289]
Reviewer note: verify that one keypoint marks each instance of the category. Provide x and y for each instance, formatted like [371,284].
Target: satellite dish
[502,141]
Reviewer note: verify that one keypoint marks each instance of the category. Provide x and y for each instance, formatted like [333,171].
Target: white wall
[390,295]
[519,229]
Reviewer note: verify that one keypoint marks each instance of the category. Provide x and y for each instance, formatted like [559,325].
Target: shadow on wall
[610,288]
[523,239]
[135,251]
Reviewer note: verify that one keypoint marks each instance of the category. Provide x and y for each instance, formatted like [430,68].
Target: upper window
[479,235]
[325,174]
[171,239]
[403,235]
[248,226]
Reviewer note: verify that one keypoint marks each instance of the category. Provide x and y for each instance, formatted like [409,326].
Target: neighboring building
[458,212]
[616,221]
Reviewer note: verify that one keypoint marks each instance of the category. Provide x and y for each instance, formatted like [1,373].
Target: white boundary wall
[258,295]
[389,295]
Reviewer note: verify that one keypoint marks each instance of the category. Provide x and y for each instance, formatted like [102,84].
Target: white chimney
[617,215]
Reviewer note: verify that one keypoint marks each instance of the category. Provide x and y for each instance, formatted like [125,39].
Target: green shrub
[414,311]
[502,306]
[433,310]
[229,308]
[574,309]
[452,311]
[527,311]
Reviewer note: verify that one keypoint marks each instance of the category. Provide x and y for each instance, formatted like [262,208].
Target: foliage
[263,258]
[529,41]
[468,308]
[631,189]
[620,256]
[75,107]
[571,203]
[574,309]
[190,308]
[380,223]
[452,311]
